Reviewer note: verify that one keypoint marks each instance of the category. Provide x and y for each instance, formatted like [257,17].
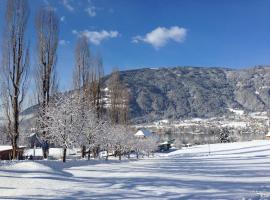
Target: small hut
[6,153]
[34,140]
[268,136]
[165,146]
[143,133]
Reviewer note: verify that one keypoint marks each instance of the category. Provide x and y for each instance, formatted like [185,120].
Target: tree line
[91,117]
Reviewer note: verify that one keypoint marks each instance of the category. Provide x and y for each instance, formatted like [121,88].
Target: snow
[231,171]
[56,153]
[268,134]
[143,133]
[161,122]
[166,142]
[32,134]
[165,121]
[259,115]
[238,112]
[264,87]
[7,147]
[234,124]
[196,120]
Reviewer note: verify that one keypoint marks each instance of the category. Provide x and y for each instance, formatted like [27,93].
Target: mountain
[188,92]
[192,92]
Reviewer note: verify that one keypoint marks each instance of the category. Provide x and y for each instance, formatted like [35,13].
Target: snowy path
[232,171]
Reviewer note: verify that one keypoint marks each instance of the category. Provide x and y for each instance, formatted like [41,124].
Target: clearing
[231,171]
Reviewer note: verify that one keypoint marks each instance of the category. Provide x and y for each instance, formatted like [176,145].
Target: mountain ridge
[187,92]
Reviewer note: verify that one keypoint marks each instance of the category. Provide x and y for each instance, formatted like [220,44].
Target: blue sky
[155,33]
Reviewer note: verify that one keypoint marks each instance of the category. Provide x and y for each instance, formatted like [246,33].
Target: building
[34,140]
[268,135]
[166,146]
[6,152]
[143,133]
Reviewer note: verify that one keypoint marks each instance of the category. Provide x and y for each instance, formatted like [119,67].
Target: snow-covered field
[231,171]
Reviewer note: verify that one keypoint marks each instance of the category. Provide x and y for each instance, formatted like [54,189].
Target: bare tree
[124,108]
[96,84]
[119,100]
[15,67]
[47,29]
[82,66]
[87,74]
[81,78]
[114,90]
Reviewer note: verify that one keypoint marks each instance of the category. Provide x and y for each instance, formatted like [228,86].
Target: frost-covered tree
[150,145]
[69,124]
[117,140]
[123,142]
[103,138]
[47,30]
[138,146]
[63,122]
[224,135]
[91,130]
[131,141]
[120,140]
[145,146]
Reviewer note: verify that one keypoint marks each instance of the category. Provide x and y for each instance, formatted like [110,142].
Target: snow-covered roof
[5,147]
[32,134]
[163,143]
[268,134]
[167,142]
[236,111]
[143,133]
[8,147]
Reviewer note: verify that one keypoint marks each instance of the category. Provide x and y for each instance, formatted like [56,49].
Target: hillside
[192,92]
[188,92]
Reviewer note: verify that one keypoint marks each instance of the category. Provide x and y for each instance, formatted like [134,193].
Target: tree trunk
[45,156]
[120,154]
[94,152]
[15,124]
[83,151]
[64,154]
[89,154]
[14,149]
[107,156]
[15,54]
[115,152]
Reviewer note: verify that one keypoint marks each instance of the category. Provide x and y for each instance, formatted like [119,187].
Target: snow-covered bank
[231,171]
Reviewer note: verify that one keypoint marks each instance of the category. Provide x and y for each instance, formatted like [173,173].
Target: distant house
[34,140]
[268,135]
[143,133]
[6,152]
[165,146]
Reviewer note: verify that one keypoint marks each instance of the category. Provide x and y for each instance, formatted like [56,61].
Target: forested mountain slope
[186,92]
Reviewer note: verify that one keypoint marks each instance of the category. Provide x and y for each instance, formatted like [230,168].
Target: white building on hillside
[143,133]
[268,135]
